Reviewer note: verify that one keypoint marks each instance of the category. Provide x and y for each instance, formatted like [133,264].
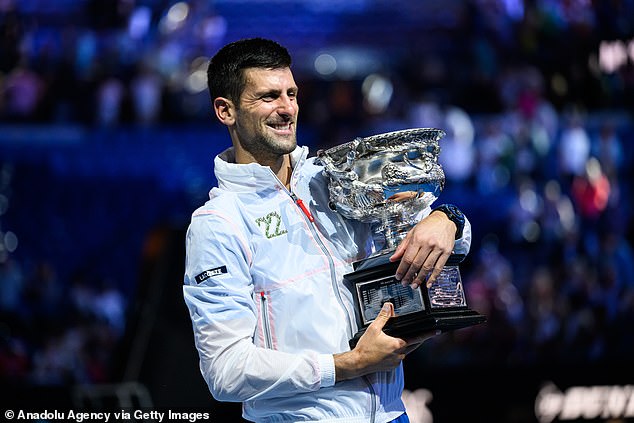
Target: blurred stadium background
[106,147]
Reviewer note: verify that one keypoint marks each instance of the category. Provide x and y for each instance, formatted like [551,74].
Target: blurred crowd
[537,153]
[552,264]
[57,333]
[143,61]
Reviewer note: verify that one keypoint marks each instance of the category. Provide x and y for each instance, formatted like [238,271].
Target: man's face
[266,117]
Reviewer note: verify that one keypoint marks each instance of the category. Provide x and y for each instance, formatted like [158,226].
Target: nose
[287,105]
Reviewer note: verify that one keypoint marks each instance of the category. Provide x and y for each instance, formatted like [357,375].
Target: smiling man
[262,121]
[266,258]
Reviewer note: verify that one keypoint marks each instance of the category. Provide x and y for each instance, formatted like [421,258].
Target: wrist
[346,365]
[454,214]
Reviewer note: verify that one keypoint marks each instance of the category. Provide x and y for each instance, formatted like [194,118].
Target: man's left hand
[425,250]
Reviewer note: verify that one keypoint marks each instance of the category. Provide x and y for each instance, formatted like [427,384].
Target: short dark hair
[225,73]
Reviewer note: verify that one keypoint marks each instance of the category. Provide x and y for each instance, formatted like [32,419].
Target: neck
[280,165]
[284,171]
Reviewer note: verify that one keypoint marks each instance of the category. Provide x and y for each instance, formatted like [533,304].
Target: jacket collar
[252,176]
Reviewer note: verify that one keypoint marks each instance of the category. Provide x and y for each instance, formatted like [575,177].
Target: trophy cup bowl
[387,180]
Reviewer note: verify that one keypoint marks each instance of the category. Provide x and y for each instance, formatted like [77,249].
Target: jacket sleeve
[218,291]
[463,244]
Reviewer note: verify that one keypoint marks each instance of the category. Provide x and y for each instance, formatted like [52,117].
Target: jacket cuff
[326,370]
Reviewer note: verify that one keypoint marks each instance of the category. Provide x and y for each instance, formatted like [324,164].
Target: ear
[225,110]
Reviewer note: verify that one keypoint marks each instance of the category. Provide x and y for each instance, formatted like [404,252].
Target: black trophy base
[377,273]
[406,327]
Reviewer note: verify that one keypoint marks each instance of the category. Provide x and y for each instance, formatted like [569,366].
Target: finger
[440,264]
[386,312]
[402,246]
[416,268]
[429,266]
[408,255]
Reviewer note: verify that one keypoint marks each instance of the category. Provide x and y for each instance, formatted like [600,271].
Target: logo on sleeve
[210,273]
[272,225]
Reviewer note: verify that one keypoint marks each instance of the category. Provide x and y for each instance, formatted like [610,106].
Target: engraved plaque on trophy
[387,180]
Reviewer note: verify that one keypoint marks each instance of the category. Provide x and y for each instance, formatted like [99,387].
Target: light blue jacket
[263,284]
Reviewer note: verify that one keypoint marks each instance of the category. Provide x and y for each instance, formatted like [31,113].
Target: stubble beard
[268,149]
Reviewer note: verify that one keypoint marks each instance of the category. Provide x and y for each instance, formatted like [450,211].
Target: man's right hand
[375,350]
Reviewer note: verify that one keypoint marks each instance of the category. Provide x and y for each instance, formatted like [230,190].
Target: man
[266,257]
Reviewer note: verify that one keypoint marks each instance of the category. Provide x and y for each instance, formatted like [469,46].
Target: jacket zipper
[331,264]
[268,342]
[333,279]
[302,206]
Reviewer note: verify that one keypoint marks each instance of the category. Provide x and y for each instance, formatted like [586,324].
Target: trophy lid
[385,174]
[396,141]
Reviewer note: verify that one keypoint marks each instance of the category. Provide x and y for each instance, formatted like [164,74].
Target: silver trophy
[387,180]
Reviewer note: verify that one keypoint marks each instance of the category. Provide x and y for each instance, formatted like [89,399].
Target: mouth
[281,127]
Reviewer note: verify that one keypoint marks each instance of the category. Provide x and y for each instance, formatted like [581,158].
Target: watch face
[458,214]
